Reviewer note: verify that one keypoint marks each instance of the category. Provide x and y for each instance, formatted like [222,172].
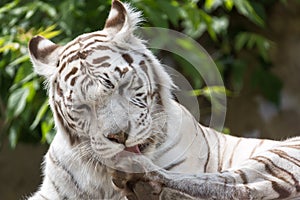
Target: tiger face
[106,89]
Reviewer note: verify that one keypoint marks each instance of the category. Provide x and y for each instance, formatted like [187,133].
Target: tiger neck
[77,154]
[181,143]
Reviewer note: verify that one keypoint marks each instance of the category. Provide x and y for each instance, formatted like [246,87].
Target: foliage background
[226,27]
[240,35]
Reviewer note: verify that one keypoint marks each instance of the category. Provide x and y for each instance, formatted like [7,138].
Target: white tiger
[109,95]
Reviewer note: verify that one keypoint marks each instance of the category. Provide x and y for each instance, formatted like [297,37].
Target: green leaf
[253,40]
[246,9]
[269,84]
[32,87]
[11,46]
[170,10]
[207,91]
[226,131]
[50,136]
[19,60]
[238,72]
[26,79]
[240,41]
[220,25]
[7,7]
[228,4]
[49,32]
[42,111]
[47,131]
[13,137]
[209,4]
[47,8]
[209,22]
[17,102]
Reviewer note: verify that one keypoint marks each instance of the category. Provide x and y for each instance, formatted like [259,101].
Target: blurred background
[255,45]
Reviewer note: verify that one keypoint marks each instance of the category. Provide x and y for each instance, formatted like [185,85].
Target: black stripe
[224,152]
[172,165]
[57,190]
[145,68]
[59,91]
[219,152]
[270,167]
[106,64]
[73,80]
[79,41]
[73,58]
[73,139]
[86,37]
[62,67]
[254,149]
[285,156]
[127,58]
[100,59]
[283,193]
[56,162]
[101,47]
[91,43]
[72,72]
[242,175]
[292,146]
[121,72]
[208,149]
[69,54]
[68,46]
[234,151]
[43,196]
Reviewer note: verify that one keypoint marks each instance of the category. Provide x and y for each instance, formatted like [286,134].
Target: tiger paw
[135,189]
[130,177]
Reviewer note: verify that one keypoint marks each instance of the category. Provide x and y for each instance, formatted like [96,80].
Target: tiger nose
[119,137]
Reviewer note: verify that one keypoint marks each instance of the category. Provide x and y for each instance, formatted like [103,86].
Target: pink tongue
[133,149]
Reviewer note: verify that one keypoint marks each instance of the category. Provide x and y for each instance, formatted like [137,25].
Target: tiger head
[106,88]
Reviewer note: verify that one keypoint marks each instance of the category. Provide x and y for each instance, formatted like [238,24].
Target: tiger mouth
[121,138]
[139,148]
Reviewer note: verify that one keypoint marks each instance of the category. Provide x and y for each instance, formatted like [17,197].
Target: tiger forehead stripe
[95,41]
[106,64]
[102,47]
[100,59]
[122,72]
[92,35]
[80,39]
[128,58]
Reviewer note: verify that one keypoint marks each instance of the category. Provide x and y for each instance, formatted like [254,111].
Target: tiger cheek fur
[108,93]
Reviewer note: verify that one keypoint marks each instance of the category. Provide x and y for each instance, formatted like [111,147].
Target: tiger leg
[258,178]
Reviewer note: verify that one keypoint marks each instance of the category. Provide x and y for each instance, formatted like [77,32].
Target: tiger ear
[44,55]
[121,19]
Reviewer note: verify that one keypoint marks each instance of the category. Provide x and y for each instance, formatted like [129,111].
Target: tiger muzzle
[119,137]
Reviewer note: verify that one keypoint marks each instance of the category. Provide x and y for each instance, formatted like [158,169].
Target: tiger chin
[110,96]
